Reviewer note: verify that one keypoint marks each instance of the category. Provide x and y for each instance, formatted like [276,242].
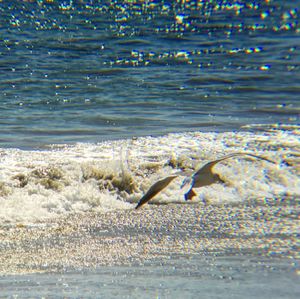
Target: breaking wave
[63,179]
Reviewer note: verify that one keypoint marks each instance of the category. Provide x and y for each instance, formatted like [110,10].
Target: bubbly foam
[37,185]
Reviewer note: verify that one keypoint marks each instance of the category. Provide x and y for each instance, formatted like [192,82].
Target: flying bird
[205,175]
[154,189]
[202,177]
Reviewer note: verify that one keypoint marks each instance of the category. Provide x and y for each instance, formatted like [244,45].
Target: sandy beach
[156,232]
[159,251]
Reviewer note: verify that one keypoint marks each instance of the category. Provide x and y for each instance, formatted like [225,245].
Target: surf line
[204,176]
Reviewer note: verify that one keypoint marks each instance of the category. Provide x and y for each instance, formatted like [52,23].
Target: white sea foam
[36,185]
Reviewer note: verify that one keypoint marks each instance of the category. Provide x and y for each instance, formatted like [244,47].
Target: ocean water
[88,71]
[100,99]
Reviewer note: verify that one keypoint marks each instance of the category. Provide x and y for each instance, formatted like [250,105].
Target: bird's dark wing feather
[205,176]
[154,189]
[208,166]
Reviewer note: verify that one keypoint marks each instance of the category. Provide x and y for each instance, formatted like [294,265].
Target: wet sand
[155,233]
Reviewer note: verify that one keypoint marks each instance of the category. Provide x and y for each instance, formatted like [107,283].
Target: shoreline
[255,128]
[155,233]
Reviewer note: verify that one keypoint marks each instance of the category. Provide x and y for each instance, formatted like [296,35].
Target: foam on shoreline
[42,184]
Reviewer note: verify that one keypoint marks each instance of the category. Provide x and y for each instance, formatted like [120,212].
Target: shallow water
[209,277]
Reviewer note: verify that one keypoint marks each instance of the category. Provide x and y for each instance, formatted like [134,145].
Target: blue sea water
[87,71]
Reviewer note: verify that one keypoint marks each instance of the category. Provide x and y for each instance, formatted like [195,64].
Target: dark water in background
[92,70]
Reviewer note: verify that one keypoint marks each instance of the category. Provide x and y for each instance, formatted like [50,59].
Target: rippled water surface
[92,70]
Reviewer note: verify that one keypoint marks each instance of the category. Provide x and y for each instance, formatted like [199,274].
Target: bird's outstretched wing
[208,166]
[154,189]
[205,176]
[246,154]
